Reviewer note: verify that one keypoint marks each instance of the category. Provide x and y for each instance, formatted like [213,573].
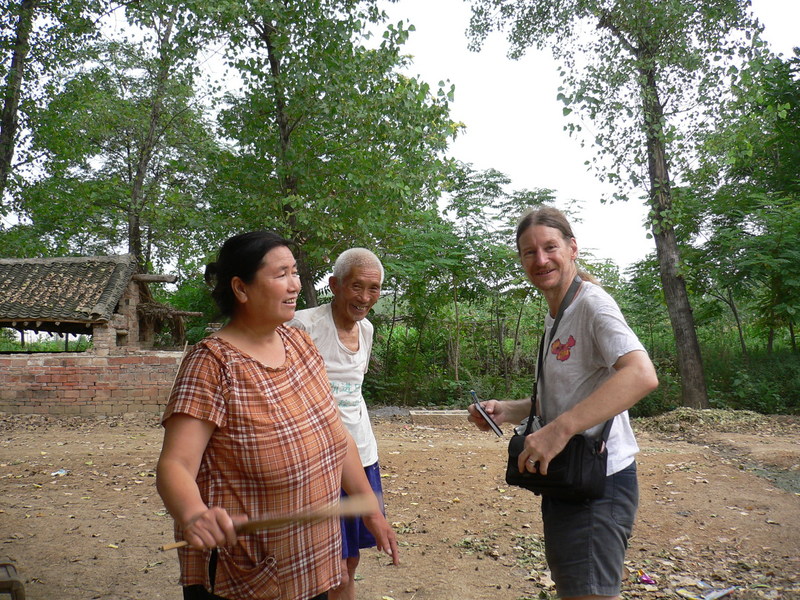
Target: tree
[634,68]
[38,37]
[124,148]
[747,179]
[332,145]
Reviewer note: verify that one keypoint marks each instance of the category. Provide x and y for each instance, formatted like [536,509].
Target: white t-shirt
[590,338]
[346,371]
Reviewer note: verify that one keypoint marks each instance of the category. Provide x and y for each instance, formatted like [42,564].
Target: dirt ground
[80,517]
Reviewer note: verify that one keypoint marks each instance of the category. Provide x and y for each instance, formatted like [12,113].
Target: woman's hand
[211,528]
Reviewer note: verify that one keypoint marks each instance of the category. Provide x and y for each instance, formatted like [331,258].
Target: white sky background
[515,124]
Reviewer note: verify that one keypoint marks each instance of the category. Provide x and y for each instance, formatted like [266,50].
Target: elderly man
[343,335]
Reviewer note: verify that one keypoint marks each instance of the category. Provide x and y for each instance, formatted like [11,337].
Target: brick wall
[73,383]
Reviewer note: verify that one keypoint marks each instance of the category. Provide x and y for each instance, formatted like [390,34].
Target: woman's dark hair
[240,256]
[547,216]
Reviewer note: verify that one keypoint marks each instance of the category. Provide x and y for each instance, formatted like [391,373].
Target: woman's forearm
[185,440]
[179,492]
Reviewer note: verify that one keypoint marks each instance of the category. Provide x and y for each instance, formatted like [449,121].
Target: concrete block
[448,417]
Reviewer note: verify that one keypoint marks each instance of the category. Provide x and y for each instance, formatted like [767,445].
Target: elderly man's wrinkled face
[356,293]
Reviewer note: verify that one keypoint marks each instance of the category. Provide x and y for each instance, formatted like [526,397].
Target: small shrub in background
[764,383]
[10,342]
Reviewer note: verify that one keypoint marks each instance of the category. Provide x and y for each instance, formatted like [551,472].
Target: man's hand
[541,447]
[494,408]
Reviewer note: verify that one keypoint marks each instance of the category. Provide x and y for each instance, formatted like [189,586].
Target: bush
[764,383]
[50,343]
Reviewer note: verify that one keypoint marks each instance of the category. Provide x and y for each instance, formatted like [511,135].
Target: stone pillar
[103,339]
[127,308]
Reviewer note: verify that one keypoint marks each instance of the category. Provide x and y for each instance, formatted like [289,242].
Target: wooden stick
[352,506]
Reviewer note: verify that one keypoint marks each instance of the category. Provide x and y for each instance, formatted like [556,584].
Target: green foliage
[122,148]
[193,295]
[10,342]
[747,194]
[334,147]
[324,140]
[37,40]
[668,395]
[764,383]
[611,53]
[759,379]
[412,366]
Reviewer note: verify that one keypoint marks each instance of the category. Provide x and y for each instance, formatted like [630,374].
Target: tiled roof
[73,289]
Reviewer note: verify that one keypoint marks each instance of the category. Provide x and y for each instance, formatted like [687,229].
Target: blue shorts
[585,541]
[355,534]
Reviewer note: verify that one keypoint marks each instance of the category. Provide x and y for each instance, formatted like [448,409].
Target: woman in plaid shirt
[251,428]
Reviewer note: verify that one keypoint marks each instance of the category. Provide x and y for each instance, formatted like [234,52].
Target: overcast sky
[514,122]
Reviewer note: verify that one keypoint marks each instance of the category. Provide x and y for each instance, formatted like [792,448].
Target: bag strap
[568,298]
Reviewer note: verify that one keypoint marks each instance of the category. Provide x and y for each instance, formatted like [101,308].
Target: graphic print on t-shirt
[562,350]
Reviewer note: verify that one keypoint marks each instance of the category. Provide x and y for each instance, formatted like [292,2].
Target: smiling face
[548,259]
[355,294]
[271,296]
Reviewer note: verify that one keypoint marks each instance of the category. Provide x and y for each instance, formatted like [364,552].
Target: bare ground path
[80,517]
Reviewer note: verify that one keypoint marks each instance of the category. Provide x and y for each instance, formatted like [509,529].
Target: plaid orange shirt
[278,447]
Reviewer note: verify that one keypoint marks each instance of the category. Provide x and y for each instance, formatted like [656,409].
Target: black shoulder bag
[578,472]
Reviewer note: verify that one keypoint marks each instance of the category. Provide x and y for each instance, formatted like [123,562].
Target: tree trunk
[500,330]
[735,312]
[135,233]
[514,366]
[731,303]
[287,178]
[308,289]
[457,346]
[387,363]
[409,380]
[9,120]
[149,145]
[690,363]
